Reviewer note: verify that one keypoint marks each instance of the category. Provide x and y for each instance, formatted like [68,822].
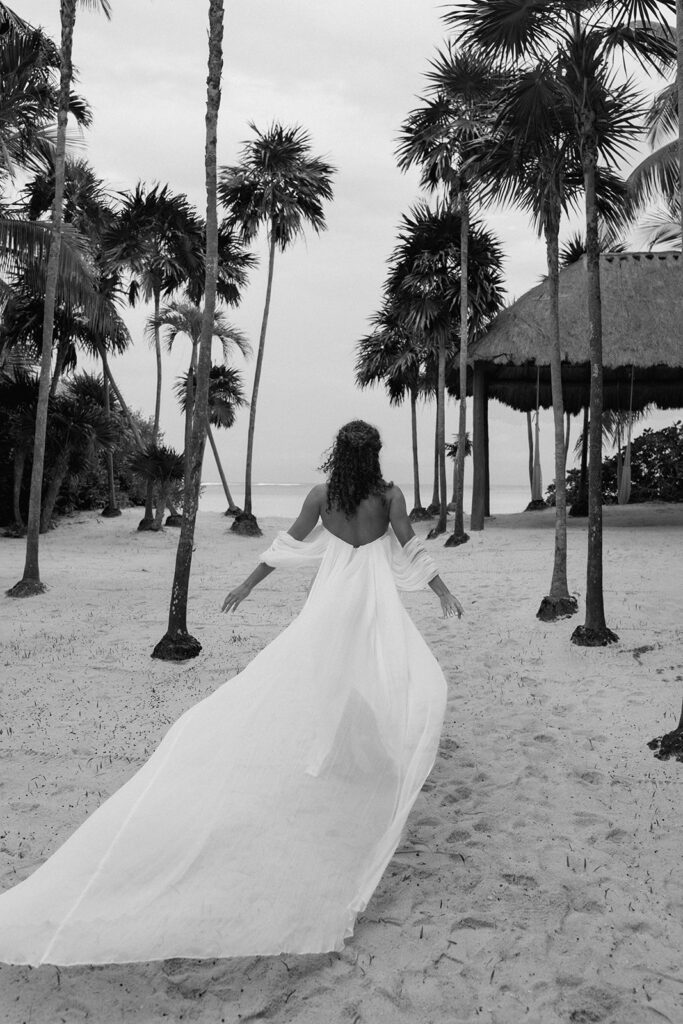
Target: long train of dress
[265,818]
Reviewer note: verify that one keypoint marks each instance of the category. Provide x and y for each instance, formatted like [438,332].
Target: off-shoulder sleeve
[412,567]
[285,551]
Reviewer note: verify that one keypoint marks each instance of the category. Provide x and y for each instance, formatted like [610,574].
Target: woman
[267,815]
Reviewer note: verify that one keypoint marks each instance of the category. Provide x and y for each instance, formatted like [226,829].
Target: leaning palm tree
[580,42]
[30,583]
[280,185]
[177,644]
[226,396]
[185,318]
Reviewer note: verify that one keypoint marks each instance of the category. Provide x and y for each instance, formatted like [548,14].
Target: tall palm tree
[394,356]
[464,90]
[185,318]
[581,42]
[425,285]
[156,239]
[279,185]
[30,583]
[178,644]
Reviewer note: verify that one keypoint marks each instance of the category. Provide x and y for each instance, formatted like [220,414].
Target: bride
[265,818]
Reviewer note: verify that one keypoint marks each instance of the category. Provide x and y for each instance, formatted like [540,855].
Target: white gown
[268,813]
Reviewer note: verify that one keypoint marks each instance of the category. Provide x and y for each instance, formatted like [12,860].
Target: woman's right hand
[450,606]
[235,597]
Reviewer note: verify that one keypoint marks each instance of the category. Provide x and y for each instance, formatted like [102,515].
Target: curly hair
[352,467]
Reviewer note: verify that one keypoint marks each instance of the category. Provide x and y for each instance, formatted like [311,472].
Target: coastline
[538,878]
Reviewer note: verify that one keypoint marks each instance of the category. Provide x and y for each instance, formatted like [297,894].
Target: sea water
[285,500]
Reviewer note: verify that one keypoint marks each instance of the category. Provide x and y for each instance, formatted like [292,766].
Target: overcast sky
[348,73]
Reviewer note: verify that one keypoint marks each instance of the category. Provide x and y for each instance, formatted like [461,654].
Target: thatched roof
[642,316]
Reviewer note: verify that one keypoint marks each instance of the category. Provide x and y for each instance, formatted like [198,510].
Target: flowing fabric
[265,818]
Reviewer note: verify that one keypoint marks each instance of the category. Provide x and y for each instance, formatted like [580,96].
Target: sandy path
[539,878]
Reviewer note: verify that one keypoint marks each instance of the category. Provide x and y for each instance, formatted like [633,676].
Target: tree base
[585,637]
[110,512]
[174,520]
[537,505]
[26,588]
[554,608]
[433,510]
[233,510]
[578,509]
[147,526]
[179,646]
[456,539]
[245,525]
[14,530]
[419,514]
[668,746]
[436,531]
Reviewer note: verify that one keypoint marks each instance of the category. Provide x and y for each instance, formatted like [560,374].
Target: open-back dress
[265,818]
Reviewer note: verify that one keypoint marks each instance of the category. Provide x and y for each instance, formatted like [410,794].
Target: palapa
[642,323]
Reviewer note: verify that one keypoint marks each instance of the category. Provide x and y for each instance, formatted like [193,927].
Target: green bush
[656,469]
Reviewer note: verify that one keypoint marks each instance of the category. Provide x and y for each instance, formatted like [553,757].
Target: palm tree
[226,396]
[161,467]
[463,92]
[393,355]
[184,317]
[424,284]
[30,583]
[177,644]
[155,239]
[581,41]
[279,185]
[29,95]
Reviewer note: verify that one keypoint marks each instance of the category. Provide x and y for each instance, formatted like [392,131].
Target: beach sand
[539,878]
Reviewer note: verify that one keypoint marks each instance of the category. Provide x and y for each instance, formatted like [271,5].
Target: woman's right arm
[403,528]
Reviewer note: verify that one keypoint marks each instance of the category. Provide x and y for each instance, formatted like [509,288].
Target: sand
[539,878]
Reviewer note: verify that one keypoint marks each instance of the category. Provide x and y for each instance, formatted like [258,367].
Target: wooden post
[479,448]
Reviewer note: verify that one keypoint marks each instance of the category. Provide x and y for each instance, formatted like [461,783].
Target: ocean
[285,500]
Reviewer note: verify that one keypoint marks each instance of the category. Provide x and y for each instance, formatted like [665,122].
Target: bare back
[369,522]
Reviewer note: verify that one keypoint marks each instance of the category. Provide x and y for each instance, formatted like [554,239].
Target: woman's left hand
[235,597]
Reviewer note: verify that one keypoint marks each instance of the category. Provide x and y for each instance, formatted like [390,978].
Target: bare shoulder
[395,497]
[317,495]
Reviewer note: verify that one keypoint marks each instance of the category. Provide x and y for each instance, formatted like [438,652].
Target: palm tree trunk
[30,583]
[558,603]
[219,466]
[178,644]
[459,536]
[119,397]
[58,367]
[240,524]
[19,463]
[441,523]
[594,632]
[434,504]
[417,501]
[111,509]
[148,520]
[679,85]
[52,490]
